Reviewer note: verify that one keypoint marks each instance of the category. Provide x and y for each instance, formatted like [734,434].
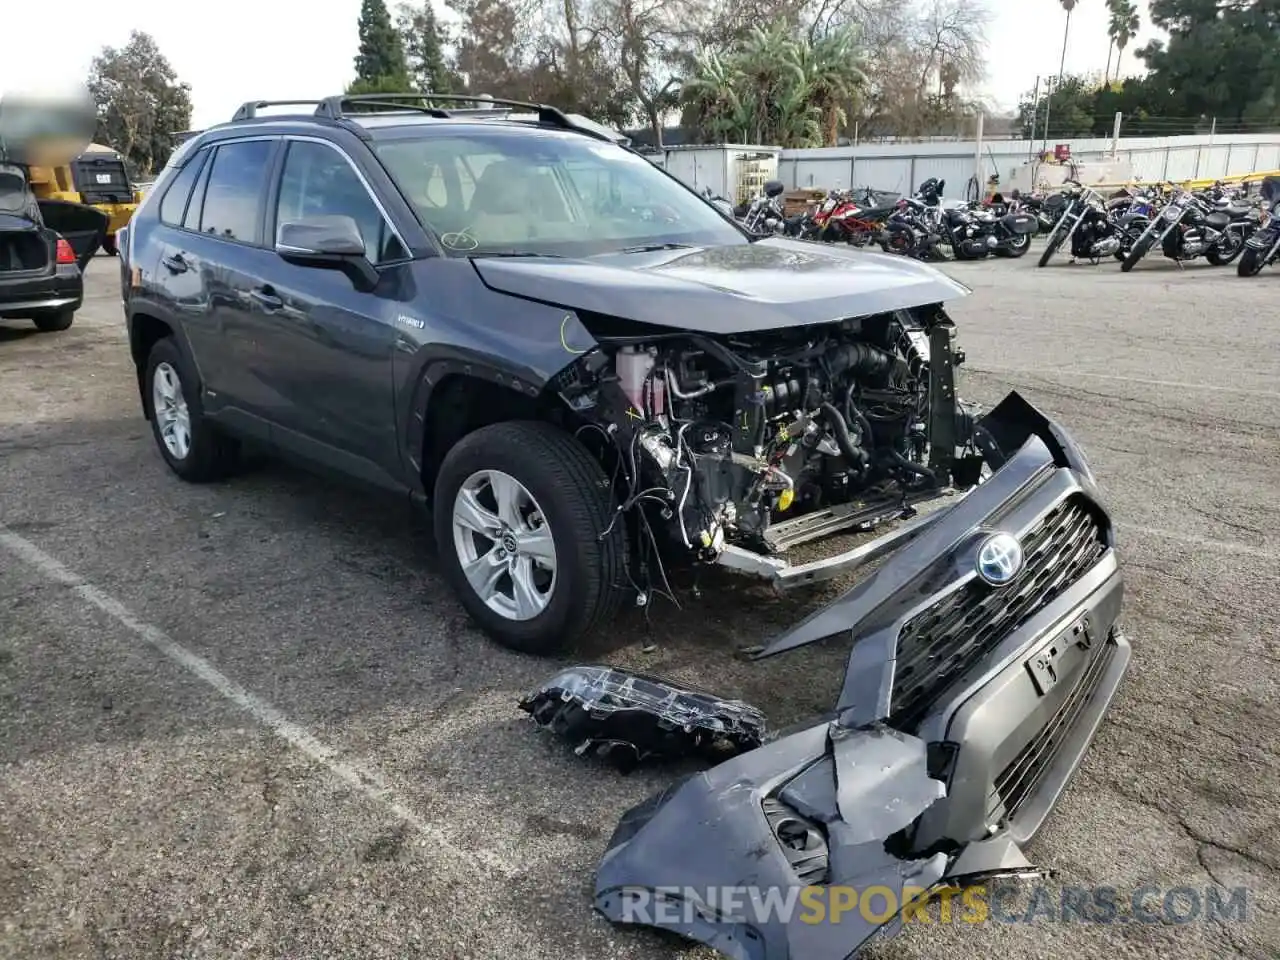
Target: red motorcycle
[854,220]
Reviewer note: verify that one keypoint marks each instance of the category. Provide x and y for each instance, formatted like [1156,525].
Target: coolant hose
[840,430]
[911,466]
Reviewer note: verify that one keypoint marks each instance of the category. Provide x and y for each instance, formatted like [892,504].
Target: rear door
[211,259]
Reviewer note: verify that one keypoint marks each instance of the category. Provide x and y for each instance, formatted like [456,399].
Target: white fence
[901,167]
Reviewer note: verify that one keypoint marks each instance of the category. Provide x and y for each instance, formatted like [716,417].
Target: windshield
[542,193]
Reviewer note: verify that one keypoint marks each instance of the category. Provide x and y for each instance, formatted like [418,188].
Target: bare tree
[648,41]
[952,34]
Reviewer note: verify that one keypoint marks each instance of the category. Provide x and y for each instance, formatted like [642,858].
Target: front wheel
[1055,241]
[1137,253]
[1226,250]
[1250,263]
[528,533]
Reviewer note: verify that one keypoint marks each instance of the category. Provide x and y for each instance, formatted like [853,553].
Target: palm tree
[1112,30]
[714,93]
[833,78]
[1067,5]
[1125,24]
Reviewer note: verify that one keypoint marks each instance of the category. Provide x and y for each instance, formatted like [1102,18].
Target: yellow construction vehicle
[97,177]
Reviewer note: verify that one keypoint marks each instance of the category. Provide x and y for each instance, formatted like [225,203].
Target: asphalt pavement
[249,720]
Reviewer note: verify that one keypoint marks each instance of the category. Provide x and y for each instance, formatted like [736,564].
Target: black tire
[578,506]
[1017,248]
[1055,241]
[53,320]
[109,246]
[1137,253]
[897,238]
[1250,263]
[1218,258]
[211,455]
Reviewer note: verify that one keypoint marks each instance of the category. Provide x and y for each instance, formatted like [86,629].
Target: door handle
[176,264]
[267,298]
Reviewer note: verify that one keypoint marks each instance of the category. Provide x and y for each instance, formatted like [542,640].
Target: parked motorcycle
[1263,248]
[854,219]
[973,232]
[1093,227]
[763,214]
[1190,226]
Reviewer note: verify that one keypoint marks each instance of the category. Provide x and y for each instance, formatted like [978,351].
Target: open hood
[764,285]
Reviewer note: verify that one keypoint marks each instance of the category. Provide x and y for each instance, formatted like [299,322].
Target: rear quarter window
[173,206]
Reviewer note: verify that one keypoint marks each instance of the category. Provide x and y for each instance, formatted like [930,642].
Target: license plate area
[1061,656]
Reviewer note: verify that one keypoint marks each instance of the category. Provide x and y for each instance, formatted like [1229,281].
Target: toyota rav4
[590,373]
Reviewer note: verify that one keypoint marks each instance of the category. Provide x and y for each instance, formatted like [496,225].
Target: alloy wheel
[169,407]
[504,545]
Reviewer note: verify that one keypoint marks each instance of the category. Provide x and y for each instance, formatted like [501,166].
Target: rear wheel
[1226,250]
[109,245]
[528,533]
[1250,263]
[1137,253]
[1017,247]
[53,320]
[190,445]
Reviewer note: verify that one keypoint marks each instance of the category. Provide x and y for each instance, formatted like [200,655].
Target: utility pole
[977,153]
[1035,118]
[1048,102]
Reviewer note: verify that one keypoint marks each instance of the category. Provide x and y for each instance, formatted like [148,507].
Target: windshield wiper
[650,247]
[514,253]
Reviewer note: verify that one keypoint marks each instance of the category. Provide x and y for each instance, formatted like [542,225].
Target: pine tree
[380,61]
[424,40]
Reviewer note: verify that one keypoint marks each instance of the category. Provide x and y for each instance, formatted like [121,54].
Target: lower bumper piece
[809,846]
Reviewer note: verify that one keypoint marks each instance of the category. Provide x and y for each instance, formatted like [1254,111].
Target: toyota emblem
[1000,559]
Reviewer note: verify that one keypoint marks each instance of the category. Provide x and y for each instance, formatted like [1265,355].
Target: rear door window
[233,197]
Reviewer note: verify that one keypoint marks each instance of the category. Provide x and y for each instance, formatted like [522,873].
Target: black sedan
[44,247]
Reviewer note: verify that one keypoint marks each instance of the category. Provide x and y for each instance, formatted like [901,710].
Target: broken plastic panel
[628,718]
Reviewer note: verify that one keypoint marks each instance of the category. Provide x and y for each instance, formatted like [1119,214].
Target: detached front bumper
[966,708]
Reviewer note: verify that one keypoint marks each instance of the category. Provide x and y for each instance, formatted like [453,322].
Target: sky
[280,49]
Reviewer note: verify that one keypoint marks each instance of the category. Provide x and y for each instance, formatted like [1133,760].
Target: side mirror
[330,243]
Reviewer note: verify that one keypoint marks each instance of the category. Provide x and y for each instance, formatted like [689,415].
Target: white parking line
[1223,546]
[1176,384]
[367,782]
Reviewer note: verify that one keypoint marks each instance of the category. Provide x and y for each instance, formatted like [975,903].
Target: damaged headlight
[627,718]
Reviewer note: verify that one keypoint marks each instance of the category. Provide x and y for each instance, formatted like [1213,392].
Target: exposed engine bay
[760,442]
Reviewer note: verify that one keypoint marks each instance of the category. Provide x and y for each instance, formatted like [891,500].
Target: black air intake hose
[856,456]
[861,358]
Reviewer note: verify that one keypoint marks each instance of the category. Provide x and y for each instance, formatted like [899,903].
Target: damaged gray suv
[590,374]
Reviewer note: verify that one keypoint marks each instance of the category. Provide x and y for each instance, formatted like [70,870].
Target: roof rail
[346,105]
[334,108]
[249,111]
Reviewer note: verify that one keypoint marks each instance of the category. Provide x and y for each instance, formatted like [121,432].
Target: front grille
[937,646]
[1018,781]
